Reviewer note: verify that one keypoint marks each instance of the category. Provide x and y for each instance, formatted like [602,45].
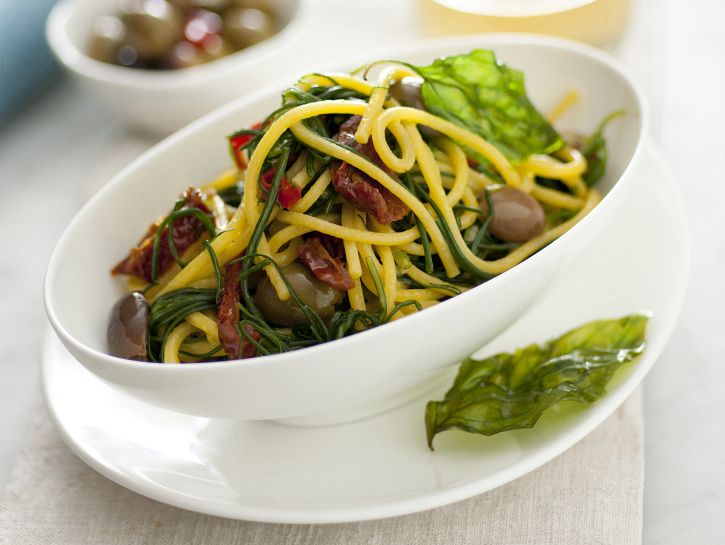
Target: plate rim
[432,498]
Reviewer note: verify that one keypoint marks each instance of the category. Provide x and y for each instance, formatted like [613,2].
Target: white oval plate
[381,467]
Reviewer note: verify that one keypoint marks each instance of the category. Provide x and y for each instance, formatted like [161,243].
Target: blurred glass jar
[596,22]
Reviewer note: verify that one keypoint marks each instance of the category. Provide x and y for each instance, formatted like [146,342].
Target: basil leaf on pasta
[488,98]
[595,151]
[509,391]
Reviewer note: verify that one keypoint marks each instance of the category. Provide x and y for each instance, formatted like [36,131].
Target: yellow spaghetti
[359,201]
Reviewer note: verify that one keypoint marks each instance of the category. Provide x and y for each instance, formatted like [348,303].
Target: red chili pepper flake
[289,193]
[236,143]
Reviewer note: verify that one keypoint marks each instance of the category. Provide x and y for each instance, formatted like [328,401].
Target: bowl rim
[516,9]
[79,62]
[488,40]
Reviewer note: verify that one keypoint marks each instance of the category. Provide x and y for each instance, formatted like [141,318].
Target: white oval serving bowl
[370,371]
[161,102]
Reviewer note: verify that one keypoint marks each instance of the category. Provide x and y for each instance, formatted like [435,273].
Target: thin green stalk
[260,226]
[483,230]
[217,270]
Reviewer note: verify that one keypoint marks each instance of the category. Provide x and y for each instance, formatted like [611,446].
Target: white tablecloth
[56,153]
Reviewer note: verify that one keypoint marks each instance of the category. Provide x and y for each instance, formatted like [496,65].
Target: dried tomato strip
[228,317]
[359,189]
[325,267]
[249,350]
[185,231]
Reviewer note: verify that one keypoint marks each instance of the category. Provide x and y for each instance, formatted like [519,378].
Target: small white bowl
[161,102]
[369,371]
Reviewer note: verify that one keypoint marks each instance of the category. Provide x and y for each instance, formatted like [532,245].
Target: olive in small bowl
[174,34]
[200,73]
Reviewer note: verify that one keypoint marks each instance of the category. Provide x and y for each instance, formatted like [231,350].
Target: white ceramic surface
[160,102]
[369,371]
[381,467]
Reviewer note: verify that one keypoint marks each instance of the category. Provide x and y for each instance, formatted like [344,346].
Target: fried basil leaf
[510,391]
[488,98]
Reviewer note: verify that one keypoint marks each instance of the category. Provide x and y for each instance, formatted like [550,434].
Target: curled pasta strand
[174,341]
[548,167]
[369,168]
[377,99]
[454,132]
[555,198]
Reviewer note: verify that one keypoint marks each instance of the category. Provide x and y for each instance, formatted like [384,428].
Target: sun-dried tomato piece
[368,195]
[248,349]
[228,311]
[359,189]
[228,317]
[185,231]
[324,266]
[346,135]
[335,246]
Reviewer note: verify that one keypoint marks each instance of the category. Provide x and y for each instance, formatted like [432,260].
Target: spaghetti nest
[347,209]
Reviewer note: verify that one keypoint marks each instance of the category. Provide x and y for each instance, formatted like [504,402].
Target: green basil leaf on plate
[509,391]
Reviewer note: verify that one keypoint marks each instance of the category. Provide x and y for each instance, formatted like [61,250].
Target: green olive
[127,327]
[247,26]
[216,47]
[212,5]
[255,278]
[189,6]
[185,54]
[517,216]
[107,37]
[154,27]
[320,297]
[263,5]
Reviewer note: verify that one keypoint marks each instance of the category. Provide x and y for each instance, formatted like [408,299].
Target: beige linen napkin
[590,495]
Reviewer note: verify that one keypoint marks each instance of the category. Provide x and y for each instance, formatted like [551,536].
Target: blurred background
[124,74]
[26,64]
